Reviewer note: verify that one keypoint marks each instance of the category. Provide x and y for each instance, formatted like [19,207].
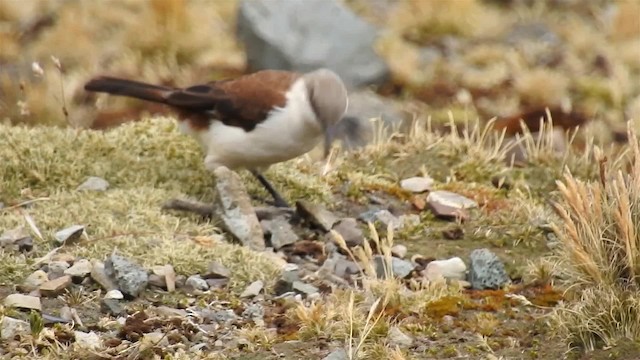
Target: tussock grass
[600,241]
[361,317]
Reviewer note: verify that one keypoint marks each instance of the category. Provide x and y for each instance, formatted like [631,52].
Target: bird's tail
[129,88]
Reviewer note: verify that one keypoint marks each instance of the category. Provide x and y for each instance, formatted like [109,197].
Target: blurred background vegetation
[471,58]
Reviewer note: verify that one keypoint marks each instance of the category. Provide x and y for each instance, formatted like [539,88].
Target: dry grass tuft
[600,245]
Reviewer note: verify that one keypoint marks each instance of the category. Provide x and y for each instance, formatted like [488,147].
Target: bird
[251,121]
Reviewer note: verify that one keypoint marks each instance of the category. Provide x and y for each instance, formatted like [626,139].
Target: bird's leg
[278,200]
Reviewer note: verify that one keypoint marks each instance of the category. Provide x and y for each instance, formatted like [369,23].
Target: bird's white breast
[288,132]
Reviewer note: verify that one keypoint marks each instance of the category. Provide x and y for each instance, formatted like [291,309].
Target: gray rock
[23,302]
[253,289]
[339,354]
[386,218]
[219,316]
[10,328]
[317,215]
[13,236]
[197,283]
[94,183]
[303,35]
[350,230]
[304,288]
[112,307]
[49,319]
[400,268]
[486,271]
[130,277]
[279,231]
[399,338]
[235,209]
[57,268]
[339,265]
[254,312]
[80,269]
[70,234]
[417,184]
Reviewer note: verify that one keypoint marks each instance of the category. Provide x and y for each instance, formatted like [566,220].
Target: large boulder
[303,35]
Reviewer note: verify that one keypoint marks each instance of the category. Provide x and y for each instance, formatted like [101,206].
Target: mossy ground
[149,162]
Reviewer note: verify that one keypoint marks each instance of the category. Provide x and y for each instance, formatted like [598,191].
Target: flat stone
[449,205]
[417,184]
[99,275]
[131,278]
[112,307]
[316,215]
[215,270]
[34,281]
[94,183]
[398,338]
[400,268]
[57,268]
[56,286]
[10,328]
[12,236]
[70,234]
[338,354]
[350,231]
[486,270]
[285,35]
[23,302]
[279,231]
[80,269]
[253,289]
[304,288]
[235,210]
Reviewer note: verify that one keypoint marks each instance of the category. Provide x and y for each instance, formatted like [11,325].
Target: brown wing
[242,102]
